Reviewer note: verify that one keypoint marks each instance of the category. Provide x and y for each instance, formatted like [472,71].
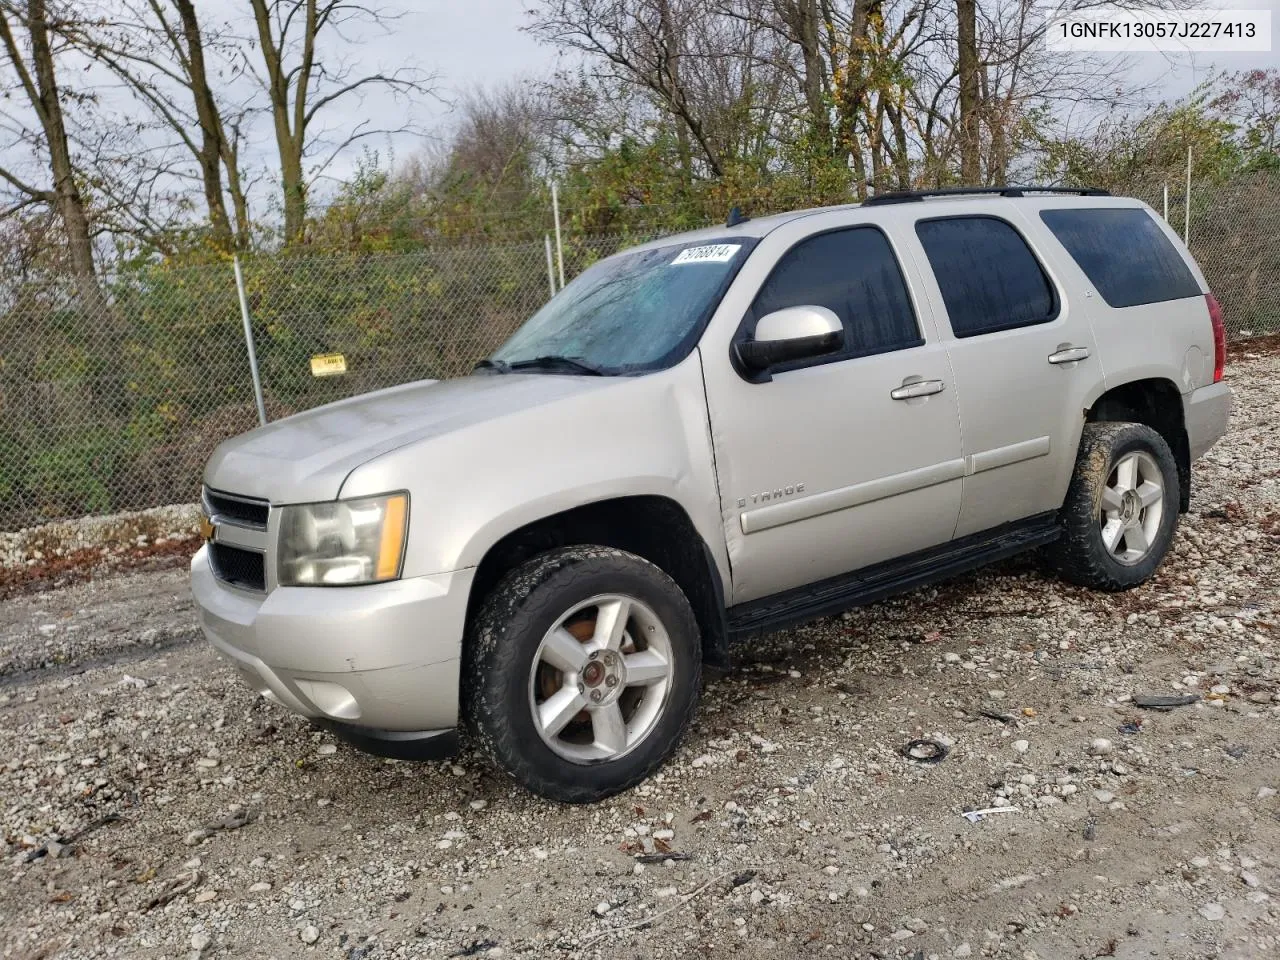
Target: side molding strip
[842,498]
[869,491]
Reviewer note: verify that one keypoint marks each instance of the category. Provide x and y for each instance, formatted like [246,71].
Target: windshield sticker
[708,253]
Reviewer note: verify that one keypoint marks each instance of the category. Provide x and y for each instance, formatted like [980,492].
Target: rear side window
[989,278]
[854,274]
[1124,253]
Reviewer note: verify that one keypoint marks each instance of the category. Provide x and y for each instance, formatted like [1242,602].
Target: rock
[197,836]
[1101,747]
[260,887]
[903,934]
[200,941]
[603,907]
[207,763]
[1020,745]
[1248,879]
[1103,796]
[1266,793]
[916,925]
[206,896]
[1213,911]
[478,804]
[964,950]
[47,629]
[831,871]
[327,749]
[1260,696]
[309,934]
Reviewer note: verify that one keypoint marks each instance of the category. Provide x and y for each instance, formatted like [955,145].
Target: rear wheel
[1121,509]
[582,672]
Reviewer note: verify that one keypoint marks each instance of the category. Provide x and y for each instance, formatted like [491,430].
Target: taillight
[1219,337]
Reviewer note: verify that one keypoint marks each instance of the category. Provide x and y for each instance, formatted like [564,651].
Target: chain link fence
[112,398]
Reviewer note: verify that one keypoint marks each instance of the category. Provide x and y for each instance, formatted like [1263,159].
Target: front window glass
[628,314]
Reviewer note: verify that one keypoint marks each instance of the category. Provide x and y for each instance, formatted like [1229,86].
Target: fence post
[555,210]
[1186,221]
[1166,203]
[248,342]
[551,274]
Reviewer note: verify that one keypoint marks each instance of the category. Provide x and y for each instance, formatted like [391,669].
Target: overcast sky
[480,42]
[470,43]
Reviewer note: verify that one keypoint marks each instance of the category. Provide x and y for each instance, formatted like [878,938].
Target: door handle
[917,388]
[1069,355]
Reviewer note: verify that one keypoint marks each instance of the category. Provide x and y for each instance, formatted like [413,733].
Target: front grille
[246,511]
[245,568]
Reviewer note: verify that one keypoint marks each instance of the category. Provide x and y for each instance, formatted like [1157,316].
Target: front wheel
[582,672]
[1121,509]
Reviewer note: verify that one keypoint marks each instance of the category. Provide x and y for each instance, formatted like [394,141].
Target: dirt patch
[789,823]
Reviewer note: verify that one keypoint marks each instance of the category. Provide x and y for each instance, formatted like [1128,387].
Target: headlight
[345,542]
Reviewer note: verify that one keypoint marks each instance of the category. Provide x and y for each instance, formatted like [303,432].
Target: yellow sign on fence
[328,364]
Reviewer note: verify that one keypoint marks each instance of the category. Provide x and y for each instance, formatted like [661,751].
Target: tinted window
[854,274]
[1124,253]
[990,279]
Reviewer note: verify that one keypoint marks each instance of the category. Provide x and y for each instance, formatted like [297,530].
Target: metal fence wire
[113,397]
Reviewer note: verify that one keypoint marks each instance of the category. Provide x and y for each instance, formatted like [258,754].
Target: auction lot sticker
[1109,29]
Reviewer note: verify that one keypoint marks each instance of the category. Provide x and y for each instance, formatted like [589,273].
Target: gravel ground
[153,808]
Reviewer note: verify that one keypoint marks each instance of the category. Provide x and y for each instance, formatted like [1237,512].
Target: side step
[892,577]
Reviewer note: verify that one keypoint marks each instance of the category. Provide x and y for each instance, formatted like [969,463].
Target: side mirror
[794,333]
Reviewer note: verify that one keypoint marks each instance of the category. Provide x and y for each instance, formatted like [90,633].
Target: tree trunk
[289,136]
[209,156]
[803,19]
[69,202]
[901,154]
[967,65]
[853,93]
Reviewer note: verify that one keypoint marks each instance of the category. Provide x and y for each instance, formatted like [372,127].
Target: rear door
[1023,355]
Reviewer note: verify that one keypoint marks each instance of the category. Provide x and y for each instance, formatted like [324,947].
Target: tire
[520,654]
[1113,540]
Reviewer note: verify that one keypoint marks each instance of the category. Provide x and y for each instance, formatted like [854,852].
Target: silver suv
[706,437]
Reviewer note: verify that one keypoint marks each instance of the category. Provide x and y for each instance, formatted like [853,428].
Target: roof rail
[911,196]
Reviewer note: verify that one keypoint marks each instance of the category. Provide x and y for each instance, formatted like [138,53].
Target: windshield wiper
[501,366]
[551,362]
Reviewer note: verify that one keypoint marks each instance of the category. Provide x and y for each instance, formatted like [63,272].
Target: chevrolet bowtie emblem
[207,528]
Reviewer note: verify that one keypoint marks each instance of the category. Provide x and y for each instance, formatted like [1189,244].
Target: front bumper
[380,661]
[1206,412]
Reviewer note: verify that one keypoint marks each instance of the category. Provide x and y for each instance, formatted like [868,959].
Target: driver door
[835,462]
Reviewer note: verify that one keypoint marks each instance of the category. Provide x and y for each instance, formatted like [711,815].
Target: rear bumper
[382,659]
[1206,413]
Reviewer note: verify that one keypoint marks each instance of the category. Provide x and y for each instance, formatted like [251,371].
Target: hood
[307,456]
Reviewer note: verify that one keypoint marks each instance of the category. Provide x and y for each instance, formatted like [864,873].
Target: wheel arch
[654,527]
[1157,403]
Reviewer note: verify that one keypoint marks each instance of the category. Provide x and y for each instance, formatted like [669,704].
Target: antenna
[736,217]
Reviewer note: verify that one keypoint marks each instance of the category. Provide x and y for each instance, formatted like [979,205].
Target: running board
[886,579]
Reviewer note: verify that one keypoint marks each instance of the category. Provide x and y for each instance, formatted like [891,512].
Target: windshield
[631,313]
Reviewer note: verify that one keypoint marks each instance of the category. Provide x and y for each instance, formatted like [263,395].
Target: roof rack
[912,196]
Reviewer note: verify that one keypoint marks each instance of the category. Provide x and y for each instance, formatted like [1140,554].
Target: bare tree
[161,52]
[36,85]
[967,72]
[301,83]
